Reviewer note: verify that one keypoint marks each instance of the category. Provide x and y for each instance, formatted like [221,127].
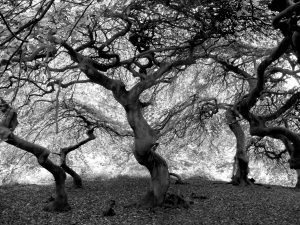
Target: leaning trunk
[241,160]
[61,201]
[144,152]
[159,183]
[290,148]
[77,181]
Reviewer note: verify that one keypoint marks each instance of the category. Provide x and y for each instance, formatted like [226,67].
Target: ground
[214,203]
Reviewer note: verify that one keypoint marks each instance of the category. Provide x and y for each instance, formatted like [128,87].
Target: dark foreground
[214,203]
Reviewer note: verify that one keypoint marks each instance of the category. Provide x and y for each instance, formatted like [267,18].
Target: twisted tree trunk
[241,160]
[144,136]
[145,141]
[61,201]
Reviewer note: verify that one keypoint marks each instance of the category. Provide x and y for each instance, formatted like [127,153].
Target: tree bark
[179,180]
[241,159]
[61,201]
[298,179]
[290,149]
[144,136]
[77,181]
[145,140]
[258,122]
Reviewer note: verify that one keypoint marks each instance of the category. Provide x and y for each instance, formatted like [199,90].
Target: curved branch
[288,104]
[8,27]
[63,157]
[251,80]
[61,200]
[67,150]
[65,85]
[288,12]
[250,100]
[37,54]
[31,22]
[117,35]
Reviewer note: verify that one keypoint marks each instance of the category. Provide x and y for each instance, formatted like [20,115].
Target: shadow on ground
[213,203]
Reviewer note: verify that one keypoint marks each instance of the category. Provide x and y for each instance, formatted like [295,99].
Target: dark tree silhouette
[60,202]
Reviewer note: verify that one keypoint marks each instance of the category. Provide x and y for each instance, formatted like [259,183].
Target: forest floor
[213,203]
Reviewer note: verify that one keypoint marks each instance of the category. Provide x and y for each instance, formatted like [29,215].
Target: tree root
[176,201]
[54,206]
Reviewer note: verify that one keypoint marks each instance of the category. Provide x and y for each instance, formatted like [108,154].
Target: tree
[86,117]
[258,123]
[8,124]
[128,50]
[100,58]
[63,156]
[150,63]
[227,52]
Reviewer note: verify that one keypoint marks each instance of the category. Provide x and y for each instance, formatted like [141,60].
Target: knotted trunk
[144,152]
[61,201]
[241,160]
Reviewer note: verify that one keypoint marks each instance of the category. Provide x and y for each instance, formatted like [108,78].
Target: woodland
[149,80]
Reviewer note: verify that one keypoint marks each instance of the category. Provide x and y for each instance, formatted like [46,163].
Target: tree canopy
[151,72]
